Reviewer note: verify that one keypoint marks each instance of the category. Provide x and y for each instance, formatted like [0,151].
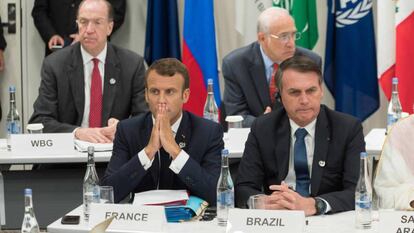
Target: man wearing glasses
[87,87]
[248,71]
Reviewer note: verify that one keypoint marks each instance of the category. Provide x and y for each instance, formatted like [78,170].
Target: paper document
[82,146]
[161,197]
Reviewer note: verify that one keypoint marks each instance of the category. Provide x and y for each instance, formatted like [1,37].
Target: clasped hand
[162,135]
[284,198]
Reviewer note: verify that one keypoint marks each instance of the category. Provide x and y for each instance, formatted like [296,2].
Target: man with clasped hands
[168,148]
[303,156]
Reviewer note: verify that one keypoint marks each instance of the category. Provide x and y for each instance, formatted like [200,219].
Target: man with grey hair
[249,90]
[87,87]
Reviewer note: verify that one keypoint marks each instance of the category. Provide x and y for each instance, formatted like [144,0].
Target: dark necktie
[272,84]
[95,108]
[301,163]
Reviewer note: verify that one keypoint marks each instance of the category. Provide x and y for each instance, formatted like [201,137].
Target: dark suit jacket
[61,100]
[338,142]
[58,17]
[3,43]
[246,91]
[203,141]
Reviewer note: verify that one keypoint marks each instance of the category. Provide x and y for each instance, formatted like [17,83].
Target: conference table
[338,223]
[55,192]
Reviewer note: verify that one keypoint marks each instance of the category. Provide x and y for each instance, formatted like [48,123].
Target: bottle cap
[12,88]
[224,152]
[27,191]
[363,154]
[209,81]
[91,149]
[395,80]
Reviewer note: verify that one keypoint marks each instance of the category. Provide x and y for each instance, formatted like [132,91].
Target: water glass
[234,121]
[35,128]
[257,201]
[107,194]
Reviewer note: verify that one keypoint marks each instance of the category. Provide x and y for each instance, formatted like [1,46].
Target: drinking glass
[107,194]
[257,201]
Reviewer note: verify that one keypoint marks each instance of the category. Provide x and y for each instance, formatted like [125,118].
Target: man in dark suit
[87,87]
[302,146]
[168,148]
[56,20]
[248,70]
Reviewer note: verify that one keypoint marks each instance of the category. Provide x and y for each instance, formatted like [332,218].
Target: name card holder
[42,144]
[396,221]
[265,221]
[129,217]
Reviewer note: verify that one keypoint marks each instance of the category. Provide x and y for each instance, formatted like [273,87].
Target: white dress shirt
[87,71]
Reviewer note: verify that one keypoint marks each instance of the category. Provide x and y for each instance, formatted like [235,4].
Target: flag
[350,59]
[199,53]
[246,13]
[396,49]
[162,37]
[306,20]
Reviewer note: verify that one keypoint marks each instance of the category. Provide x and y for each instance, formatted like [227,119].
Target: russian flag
[199,53]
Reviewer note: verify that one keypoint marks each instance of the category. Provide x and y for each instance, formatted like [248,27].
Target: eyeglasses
[285,37]
[82,22]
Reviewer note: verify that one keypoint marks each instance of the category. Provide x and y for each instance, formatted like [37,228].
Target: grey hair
[268,16]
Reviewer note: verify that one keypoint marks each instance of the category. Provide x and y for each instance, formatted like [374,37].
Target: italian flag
[395,54]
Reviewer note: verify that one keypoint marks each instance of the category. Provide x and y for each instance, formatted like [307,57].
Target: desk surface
[374,141]
[338,223]
[7,157]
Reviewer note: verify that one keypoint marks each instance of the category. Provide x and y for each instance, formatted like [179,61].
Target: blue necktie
[301,163]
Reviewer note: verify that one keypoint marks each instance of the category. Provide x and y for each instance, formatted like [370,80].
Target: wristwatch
[320,206]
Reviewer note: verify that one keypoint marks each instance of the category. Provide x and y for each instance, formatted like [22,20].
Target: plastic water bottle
[225,190]
[90,185]
[363,196]
[210,107]
[29,224]
[13,119]
[394,107]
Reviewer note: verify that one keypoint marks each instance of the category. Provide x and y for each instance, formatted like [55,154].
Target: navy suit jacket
[246,90]
[335,169]
[202,140]
[61,101]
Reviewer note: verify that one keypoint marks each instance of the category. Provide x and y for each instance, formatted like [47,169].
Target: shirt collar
[87,57]
[267,61]
[310,128]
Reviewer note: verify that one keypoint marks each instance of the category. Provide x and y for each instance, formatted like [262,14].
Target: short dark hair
[301,64]
[108,5]
[169,67]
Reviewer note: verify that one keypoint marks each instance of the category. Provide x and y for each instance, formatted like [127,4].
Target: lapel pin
[321,163]
[181,145]
[112,81]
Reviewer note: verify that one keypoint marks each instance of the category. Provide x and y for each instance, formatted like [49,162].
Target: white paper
[157,197]
[82,146]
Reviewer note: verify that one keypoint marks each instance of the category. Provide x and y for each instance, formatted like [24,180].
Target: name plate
[253,220]
[129,217]
[43,144]
[396,221]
